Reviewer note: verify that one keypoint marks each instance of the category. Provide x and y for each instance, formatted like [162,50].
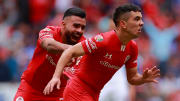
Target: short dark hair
[75,12]
[124,9]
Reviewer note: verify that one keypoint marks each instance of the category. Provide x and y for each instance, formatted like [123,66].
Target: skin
[73,28]
[130,29]
[126,30]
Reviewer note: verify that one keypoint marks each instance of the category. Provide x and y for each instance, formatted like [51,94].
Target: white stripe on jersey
[89,49]
[45,33]
[123,47]
[49,36]
[92,44]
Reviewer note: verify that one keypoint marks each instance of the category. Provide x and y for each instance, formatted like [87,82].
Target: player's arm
[74,51]
[47,41]
[53,46]
[149,75]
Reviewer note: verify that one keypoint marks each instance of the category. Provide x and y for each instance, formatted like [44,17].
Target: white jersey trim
[89,49]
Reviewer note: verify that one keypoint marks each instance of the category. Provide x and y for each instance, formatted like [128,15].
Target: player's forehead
[131,15]
[135,14]
[75,19]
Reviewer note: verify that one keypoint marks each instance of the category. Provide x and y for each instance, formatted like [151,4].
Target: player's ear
[63,23]
[122,24]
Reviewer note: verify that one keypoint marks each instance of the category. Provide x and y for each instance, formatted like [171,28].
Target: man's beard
[68,39]
[71,37]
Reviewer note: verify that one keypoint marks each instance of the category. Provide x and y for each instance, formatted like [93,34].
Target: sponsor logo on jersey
[20,98]
[61,99]
[51,60]
[99,38]
[107,64]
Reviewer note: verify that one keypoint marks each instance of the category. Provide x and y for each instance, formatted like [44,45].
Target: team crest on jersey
[19,98]
[99,38]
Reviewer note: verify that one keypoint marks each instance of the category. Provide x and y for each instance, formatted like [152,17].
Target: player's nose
[141,23]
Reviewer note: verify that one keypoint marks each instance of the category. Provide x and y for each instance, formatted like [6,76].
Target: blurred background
[159,44]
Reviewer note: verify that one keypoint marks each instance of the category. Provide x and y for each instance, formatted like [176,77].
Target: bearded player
[51,43]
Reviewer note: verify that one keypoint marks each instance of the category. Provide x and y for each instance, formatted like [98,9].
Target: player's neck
[123,36]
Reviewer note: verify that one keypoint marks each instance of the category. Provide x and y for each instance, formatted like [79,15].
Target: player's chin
[135,35]
[74,41]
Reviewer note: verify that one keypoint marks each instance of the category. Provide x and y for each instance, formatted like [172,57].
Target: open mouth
[75,37]
[140,29]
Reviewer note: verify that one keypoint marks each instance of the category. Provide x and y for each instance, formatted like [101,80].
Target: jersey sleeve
[93,44]
[132,62]
[47,32]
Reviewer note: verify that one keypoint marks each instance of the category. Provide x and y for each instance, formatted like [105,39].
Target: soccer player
[51,43]
[103,55]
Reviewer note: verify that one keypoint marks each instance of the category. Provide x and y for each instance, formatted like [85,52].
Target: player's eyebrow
[138,17]
[79,25]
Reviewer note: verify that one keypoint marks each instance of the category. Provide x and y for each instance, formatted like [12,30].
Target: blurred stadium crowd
[159,44]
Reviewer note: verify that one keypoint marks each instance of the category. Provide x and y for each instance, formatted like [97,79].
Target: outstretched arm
[149,75]
[47,40]
[74,51]
[53,46]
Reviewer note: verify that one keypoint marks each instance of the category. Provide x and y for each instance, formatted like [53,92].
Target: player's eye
[82,27]
[137,18]
[76,25]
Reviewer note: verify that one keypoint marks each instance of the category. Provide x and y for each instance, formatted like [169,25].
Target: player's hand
[50,86]
[151,74]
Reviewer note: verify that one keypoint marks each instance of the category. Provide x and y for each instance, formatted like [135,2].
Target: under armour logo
[108,56]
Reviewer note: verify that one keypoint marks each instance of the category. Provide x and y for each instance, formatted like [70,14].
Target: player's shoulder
[108,37]
[133,44]
[105,35]
[109,33]
[51,28]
